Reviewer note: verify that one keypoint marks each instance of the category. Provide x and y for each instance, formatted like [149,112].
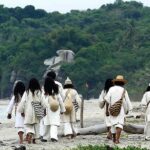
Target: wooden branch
[101,128]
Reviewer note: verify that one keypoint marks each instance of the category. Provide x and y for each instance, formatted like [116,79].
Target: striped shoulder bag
[114,109]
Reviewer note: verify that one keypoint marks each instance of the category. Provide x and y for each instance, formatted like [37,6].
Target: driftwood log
[101,128]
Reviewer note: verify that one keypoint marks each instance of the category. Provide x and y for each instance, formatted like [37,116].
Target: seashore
[93,115]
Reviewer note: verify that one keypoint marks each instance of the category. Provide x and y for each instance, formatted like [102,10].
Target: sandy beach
[93,115]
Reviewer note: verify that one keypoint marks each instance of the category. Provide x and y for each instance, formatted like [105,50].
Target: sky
[62,6]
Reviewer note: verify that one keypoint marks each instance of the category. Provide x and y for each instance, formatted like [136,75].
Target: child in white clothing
[18,91]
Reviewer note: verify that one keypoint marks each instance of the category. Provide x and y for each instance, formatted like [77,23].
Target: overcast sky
[62,6]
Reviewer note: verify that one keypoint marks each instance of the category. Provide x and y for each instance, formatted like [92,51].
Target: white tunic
[101,101]
[26,107]
[145,100]
[19,120]
[53,118]
[75,97]
[113,95]
[60,87]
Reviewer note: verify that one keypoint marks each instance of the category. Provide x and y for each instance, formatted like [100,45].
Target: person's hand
[22,114]
[107,113]
[9,116]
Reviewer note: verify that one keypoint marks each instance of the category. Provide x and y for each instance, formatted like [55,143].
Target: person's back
[145,102]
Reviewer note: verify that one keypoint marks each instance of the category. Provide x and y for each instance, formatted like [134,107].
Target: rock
[22,147]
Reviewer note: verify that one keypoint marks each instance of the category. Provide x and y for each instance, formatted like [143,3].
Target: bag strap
[123,94]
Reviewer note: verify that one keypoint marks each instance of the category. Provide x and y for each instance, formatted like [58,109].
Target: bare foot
[117,142]
[33,141]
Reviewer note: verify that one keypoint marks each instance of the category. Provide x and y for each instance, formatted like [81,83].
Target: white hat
[68,81]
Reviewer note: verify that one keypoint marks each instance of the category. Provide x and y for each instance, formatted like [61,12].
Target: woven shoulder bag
[114,109]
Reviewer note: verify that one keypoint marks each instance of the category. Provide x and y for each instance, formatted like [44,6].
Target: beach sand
[93,115]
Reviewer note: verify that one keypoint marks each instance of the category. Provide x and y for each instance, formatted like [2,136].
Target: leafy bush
[106,147]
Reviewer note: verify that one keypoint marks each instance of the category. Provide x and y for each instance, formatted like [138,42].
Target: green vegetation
[111,40]
[106,147]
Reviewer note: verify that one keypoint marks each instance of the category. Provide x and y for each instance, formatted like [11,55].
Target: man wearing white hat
[114,94]
[69,119]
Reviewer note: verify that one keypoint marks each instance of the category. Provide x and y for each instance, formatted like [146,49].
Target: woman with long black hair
[104,104]
[18,91]
[54,107]
[31,120]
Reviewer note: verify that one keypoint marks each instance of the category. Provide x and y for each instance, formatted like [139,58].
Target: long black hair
[33,85]
[19,89]
[147,89]
[50,87]
[51,74]
[108,84]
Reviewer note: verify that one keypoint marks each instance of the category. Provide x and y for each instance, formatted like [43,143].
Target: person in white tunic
[104,104]
[69,119]
[114,94]
[145,102]
[31,121]
[52,75]
[18,91]
[54,107]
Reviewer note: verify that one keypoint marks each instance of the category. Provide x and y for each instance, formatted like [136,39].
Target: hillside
[111,40]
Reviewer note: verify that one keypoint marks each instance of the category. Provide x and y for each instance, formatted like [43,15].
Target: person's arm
[129,104]
[77,99]
[144,100]
[102,101]
[10,107]
[108,102]
[21,105]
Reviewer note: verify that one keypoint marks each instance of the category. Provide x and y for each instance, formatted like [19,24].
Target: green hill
[111,40]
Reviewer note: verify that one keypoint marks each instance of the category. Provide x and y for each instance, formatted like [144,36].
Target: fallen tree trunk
[98,129]
[134,129]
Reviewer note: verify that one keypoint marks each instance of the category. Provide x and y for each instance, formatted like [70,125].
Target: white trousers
[41,132]
[50,131]
[68,130]
[147,131]
[20,130]
[113,128]
[34,129]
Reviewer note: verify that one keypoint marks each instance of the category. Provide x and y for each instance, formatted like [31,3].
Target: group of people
[115,96]
[40,110]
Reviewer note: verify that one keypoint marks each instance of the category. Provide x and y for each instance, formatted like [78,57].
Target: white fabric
[53,118]
[113,95]
[60,87]
[41,132]
[50,131]
[68,129]
[101,100]
[75,97]
[26,106]
[144,102]
[20,130]
[19,120]
[113,128]
[34,129]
